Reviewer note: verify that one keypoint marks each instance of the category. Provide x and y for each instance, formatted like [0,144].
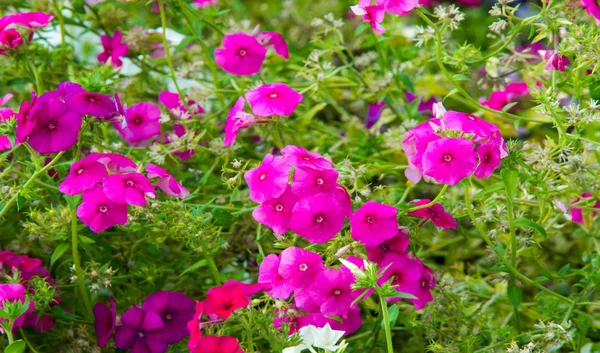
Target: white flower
[295,349]
[324,337]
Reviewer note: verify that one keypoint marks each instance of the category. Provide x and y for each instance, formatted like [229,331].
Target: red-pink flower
[449,160]
[166,182]
[309,181]
[273,99]
[83,175]
[276,40]
[436,213]
[300,267]
[26,19]
[100,213]
[195,326]
[10,38]
[217,344]
[268,272]
[241,55]
[398,244]
[513,92]
[298,156]
[555,61]
[269,180]
[276,213]
[56,127]
[333,292]
[141,123]
[318,218]
[373,223]
[114,49]
[237,119]
[131,189]
[223,300]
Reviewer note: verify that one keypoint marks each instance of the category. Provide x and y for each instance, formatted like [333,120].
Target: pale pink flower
[98,212]
[318,218]
[449,160]
[300,267]
[131,188]
[276,213]
[273,99]
[309,181]
[241,55]
[166,182]
[373,223]
[269,180]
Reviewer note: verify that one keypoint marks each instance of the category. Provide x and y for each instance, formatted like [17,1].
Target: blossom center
[273,95]
[137,120]
[242,52]
[384,247]
[141,334]
[279,208]
[80,171]
[129,183]
[168,316]
[370,219]
[447,157]
[319,219]
[337,292]
[51,126]
[319,181]
[306,158]
[103,209]
[263,176]
[302,267]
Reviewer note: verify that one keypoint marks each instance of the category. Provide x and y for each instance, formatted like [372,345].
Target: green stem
[8,331]
[513,338]
[27,341]
[437,198]
[61,22]
[78,270]
[214,269]
[386,322]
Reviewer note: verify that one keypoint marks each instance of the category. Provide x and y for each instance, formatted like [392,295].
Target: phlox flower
[398,244]
[276,213]
[204,3]
[309,181]
[373,223]
[398,7]
[98,212]
[172,101]
[195,326]
[26,19]
[248,289]
[241,55]
[268,272]
[83,175]
[175,309]
[300,267]
[276,40]
[424,105]
[333,292]
[6,114]
[470,124]
[577,214]
[10,293]
[217,344]
[374,14]
[224,300]
[436,213]
[140,331]
[410,276]
[318,218]
[269,180]
[342,196]
[10,38]
[374,114]
[513,92]
[56,127]
[166,182]
[105,320]
[237,119]
[64,91]
[555,61]
[414,146]
[141,123]
[593,8]
[131,189]
[298,156]
[449,160]
[98,105]
[273,99]
[303,300]
[27,118]
[488,157]
[114,49]
[117,163]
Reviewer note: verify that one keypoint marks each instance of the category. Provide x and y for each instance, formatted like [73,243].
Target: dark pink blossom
[10,293]
[300,267]
[105,319]
[513,92]
[241,55]
[195,326]
[309,181]
[269,273]
[555,61]
[342,196]
[410,276]
[436,213]
[398,244]
[217,344]
[577,214]
[83,175]
[273,99]
[114,49]
[276,213]
[333,292]
[27,118]
[276,40]
[172,101]
[204,3]
[298,156]
[375,110]
[374,14]
[593,8]
[470,124]
[175,309]
[224,300]
[56,127]
[449,160]
[488,156]
[398,7]
[269,180]
[167,183]
[26,19]
[373,223]
[117,163]
[318,218]
[10,38]
[237,119]
[141,123]
[140,332]
[98,105]
[98,212]
[131,189]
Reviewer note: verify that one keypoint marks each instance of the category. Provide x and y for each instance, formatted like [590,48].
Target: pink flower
[241,55]
[117,163]
[10,38]
[276,40]
[332,290]
[424,105]
[449,160]
[223,300]
[114,49]
[175,309]
[398,7]
[269,180]
[410,276]
[592,8]
[195,326]
[141,123]
[217,344]
[105,319]
[513,92]
[83,175]
[237,119]
[488,155]
[268,272]
[577,214]
[318,218]
[555,61]
[26,19]
[276,213]
[131,189]
[300,267]
[274,99]
[100,213]
[436,213]
[10,293]
[309,181]
[27,118]
[172,101]
[167,183]
[204,3]
[342,196]
[375,110]
[470,124]
[372,14]
[56,127]
[373,223]
[414,146]
[298,156]
[398,244]
[98,105]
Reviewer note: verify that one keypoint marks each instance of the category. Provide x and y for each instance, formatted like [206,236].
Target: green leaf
[488,190]
[393,313]
[58,252]
[510,177]
[306,119]
[197,265]
[86,240]
[73,201]
[404,295]
[450,93]
[17,346]
[515,293]
[361,28]
[564,270]
[407,82]
[221,217]
[527,223]
[461,77]
[508,106]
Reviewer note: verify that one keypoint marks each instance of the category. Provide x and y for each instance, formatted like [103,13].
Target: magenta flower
[10,38]
[300,267]
[56,127]
[577,215]
[436,213]
[424,105]
[204,3]
[27,118]
[318,218]
[333,292]
[224,300]
[405,272]
[592,8]
[488,155]
[167,183]
[105,319]
[470,124]
[26,19]
[449,160]
[342,196]
[268,272]
[175,309]
[269,180]
[83,175]
[141,123]
[374,114]
[131,189]
[114,49]
[513,92]
[217,344]
[373,223]
[98,105]
[10,293]
[555,61]
[273,99]
[237,119]
[117,163]
[374,14]
[276,213]
[398,244]
[276,40]
[309,181]
[241,55]
[398,7]
[140,332]
[414,146]
[172,101]
[298,156]
[98,212]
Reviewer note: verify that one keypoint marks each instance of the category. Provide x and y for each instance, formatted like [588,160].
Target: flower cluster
[314,205]
[10,37]
[453,146]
